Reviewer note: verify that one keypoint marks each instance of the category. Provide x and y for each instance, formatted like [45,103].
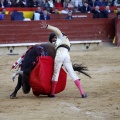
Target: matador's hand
[44,24]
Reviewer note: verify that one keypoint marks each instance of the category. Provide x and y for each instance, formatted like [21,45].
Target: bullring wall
[77,30]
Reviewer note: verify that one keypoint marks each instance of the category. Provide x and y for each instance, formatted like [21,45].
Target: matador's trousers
[63,58]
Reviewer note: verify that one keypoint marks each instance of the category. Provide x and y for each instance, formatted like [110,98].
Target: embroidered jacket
[61,39]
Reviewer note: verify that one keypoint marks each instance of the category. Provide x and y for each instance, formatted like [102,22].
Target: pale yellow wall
[28,14]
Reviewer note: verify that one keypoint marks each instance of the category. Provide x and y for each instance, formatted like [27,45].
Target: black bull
[46,49]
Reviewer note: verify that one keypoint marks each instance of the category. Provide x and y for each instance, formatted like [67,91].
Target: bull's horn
[17,73]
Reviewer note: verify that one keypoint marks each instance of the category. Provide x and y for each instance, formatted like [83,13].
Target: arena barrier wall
[20,48]
[78,30]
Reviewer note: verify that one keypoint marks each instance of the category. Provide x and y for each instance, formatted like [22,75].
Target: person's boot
[78,84]
[52,94]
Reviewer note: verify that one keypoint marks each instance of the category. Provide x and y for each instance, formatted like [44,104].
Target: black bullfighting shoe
[52,96]
[84,95]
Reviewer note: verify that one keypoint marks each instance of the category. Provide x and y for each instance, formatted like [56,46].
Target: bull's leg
[19,84]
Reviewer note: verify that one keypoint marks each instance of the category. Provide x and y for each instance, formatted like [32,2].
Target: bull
[29,62]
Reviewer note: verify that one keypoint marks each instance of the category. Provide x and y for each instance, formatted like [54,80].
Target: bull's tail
[81,69]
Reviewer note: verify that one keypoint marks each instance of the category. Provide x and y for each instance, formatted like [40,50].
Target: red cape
[40,77]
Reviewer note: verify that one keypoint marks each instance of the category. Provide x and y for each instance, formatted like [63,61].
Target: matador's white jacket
[61,39]
[62,55]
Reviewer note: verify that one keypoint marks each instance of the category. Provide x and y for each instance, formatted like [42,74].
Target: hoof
[84,95]
[13,96]
[52,96]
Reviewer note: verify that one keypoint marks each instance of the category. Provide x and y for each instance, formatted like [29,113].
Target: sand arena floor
[103,90]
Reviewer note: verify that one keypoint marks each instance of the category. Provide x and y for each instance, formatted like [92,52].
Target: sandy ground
[103,90]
